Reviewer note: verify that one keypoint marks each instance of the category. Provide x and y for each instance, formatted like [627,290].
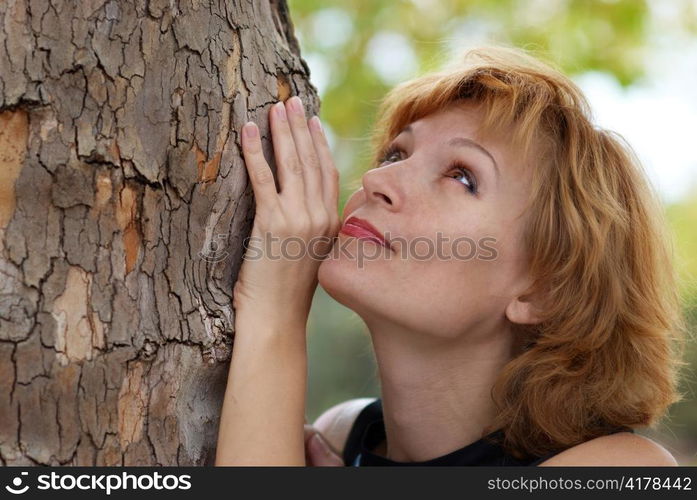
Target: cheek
[466,273]
[454,281]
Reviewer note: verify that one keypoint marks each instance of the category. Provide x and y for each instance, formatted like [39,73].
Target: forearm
[264,407]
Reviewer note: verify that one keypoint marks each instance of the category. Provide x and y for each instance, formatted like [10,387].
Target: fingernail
[250,129]
[281,110]
[296,104]
[317,123]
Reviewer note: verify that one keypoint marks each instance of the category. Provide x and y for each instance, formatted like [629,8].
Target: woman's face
[449,204]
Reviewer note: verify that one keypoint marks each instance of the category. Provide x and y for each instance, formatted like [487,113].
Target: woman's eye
[469,180]
[394,156]
[390,156]
[459,171]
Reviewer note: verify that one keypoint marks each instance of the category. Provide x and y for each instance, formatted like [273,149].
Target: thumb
[322,454]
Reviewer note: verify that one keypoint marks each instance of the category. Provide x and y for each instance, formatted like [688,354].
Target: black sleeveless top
[368,431]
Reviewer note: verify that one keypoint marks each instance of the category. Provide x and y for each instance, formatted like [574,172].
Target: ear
[522,310]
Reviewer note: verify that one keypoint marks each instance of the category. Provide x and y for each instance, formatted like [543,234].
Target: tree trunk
[124,203]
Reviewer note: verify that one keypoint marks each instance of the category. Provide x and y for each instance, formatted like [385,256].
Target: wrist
[270,321]
[282,312]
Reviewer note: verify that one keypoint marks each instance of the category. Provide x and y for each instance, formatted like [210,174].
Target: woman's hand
[318,452]
[262,415]
[293,229]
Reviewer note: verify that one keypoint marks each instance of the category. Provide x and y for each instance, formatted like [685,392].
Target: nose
[380,186]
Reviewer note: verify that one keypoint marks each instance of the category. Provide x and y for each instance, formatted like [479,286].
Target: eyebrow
[466,142]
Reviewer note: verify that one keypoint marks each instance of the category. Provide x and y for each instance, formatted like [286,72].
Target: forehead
[457,119]
[464,119]
[460,119]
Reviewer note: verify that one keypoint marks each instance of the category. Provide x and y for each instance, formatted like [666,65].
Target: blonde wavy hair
[608,350]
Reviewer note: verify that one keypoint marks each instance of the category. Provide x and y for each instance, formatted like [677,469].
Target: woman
[543,341]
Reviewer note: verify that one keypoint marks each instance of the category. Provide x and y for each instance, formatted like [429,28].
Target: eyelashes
[391,150]
[455,166]
[471,185]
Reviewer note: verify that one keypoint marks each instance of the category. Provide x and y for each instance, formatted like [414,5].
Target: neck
[436,394]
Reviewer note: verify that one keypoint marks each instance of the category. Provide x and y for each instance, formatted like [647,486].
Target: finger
[288,164]
[322,454]
[260,174]
[305,148]
[308,430]
[330,174]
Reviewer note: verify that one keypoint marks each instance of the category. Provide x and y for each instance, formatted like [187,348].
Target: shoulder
[335,423]
[620,449]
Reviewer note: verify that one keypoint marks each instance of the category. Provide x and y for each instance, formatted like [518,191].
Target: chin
[345,283]
[334,277]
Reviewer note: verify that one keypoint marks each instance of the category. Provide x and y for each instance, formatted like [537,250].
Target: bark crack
[119,95]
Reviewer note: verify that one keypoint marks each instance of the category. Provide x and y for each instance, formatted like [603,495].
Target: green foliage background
[579,35]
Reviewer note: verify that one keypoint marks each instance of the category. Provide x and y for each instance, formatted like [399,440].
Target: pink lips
[353,226]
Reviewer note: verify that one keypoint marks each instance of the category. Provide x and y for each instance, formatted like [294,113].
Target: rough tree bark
[123,206]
